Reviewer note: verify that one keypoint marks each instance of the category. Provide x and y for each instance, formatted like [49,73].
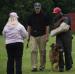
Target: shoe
[34,70]
[41,68]
[67,69]
[61,70]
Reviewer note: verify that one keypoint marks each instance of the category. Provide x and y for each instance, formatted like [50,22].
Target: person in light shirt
[14,34]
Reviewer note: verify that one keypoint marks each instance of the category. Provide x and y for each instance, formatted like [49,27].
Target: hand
[28,42]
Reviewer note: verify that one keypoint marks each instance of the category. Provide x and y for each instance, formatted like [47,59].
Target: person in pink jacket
[14,34]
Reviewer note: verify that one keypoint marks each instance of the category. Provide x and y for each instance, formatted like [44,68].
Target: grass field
[26,59]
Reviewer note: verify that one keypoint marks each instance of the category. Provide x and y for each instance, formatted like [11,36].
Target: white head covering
[13,18]
[14,14]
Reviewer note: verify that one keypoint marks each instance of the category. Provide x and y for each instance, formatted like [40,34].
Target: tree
[25,7]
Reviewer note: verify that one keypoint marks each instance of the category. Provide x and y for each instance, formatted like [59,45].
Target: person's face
[37,8]
[56,15]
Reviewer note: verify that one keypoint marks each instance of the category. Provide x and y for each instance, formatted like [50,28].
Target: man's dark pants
[65,40]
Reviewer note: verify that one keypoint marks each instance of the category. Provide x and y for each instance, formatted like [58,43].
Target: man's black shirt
[38,23]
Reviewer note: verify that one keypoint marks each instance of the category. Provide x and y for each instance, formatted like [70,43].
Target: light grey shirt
[14,34]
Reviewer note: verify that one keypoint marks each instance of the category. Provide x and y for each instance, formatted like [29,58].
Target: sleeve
[67,20]
[23,32]
[29,20]
[62,28]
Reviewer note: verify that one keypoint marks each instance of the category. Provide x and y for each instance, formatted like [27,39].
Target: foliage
[25,7]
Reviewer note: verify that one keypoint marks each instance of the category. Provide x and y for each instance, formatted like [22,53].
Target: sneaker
[61,70]
[34,70]
[67,69]
[41,68]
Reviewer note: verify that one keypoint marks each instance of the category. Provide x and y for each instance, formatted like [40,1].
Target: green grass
[26,67]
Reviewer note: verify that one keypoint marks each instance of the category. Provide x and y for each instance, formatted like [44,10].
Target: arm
[29,31]
[57,24]
[47,32]
[62,28]
[47,19]
[23,32]
[28,39]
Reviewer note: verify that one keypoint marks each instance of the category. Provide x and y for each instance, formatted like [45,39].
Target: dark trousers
[65,40]
[14,54]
